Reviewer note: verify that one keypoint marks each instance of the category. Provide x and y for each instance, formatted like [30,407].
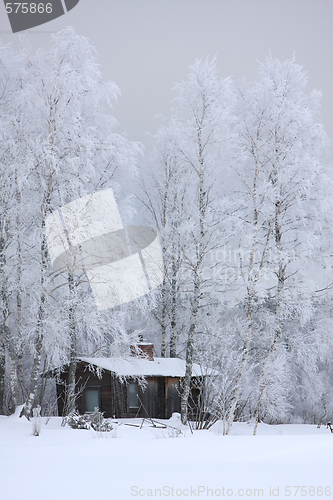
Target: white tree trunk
[39,335]
[186,384]
[71,396]
[281,275]
[2,376]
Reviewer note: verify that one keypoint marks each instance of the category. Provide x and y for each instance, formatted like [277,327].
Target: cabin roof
[141,367]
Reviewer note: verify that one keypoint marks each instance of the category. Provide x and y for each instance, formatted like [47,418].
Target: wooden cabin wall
[118,398]
[160,397]
[147,396]
[172,396]
[60,397]
[87,379]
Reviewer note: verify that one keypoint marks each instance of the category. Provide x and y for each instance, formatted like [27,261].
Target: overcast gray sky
[145,46]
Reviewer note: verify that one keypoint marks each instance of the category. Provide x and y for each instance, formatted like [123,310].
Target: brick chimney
[143,350]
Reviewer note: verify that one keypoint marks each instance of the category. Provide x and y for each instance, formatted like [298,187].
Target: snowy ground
[63,463]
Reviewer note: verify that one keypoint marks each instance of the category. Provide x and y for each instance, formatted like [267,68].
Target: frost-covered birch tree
[68,148]
[81,152]
[280,167]
[164,195]
[297,143]
[200,134]
[13,156]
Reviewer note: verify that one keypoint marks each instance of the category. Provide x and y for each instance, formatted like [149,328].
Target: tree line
[237,184]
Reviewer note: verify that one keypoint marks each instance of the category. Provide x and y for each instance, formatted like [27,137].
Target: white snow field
[129,462]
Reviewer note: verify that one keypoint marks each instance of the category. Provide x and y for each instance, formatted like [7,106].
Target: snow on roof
[141,367]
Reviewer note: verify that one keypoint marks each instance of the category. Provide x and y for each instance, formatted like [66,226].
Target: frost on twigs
[93,420]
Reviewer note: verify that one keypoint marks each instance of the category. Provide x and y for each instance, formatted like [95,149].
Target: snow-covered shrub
[77,421]
[98,422]
[94,420]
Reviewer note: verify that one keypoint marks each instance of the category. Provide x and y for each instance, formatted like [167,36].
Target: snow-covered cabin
[113,385]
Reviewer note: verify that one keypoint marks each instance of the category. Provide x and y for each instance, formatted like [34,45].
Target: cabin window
[91,399]
[132,391]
